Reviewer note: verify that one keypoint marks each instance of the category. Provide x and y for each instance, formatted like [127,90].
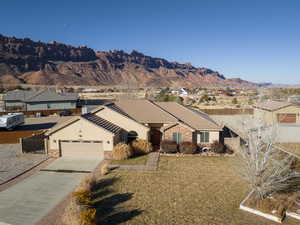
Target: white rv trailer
[11,120]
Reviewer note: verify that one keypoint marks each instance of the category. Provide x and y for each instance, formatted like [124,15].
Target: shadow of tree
[121,217]
[107,202]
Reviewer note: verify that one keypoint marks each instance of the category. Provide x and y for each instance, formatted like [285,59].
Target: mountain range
[24,61]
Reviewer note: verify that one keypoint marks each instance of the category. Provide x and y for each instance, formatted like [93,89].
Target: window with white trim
[203,137]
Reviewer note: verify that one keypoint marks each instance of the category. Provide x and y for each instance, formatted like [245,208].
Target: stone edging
[152,164]
[198,155]
[293,215]
[257,212]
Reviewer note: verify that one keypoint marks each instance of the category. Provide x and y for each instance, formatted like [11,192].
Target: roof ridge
[35,95]
[196,113]
[158,106]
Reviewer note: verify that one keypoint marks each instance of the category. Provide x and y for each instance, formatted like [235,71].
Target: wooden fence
[227,111]
[33,144]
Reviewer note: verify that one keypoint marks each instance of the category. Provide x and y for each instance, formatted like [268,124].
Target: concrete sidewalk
[30,200]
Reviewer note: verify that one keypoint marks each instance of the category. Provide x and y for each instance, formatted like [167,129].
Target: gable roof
[96,120]
[164,128]
[195,119]
[143,111]
[39,96]
[102,123]
[272,105]
[62,125]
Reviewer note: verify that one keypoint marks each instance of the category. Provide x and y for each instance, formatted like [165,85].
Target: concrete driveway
[72,165]
[30,200]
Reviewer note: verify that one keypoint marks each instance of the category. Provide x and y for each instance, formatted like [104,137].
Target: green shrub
[168,146]
[187,147]
[88,217]
[83,197]
[218,147]
[141,147]
[122,151]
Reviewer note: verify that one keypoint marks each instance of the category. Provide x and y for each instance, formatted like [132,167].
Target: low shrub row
[138,147]
[81,209]
[168,146]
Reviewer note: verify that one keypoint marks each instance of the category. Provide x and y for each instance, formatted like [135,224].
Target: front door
[155,138]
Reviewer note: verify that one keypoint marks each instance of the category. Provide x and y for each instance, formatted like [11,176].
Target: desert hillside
[29,62]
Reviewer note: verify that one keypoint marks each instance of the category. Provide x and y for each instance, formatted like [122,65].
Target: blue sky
[255,40]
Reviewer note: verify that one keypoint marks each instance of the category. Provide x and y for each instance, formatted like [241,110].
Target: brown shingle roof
[195,119]
[145,111]
[272,105]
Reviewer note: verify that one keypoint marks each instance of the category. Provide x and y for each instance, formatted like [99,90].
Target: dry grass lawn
[291,147]
[137,160]
[184,191]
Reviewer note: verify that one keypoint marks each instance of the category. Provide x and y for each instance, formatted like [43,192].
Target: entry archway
[132,135]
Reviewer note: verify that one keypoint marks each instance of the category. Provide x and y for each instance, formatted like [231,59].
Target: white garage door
[82,150]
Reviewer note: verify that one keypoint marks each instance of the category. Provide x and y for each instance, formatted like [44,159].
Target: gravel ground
[13,162]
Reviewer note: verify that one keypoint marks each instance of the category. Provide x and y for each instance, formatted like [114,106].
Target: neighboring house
[39,100]
[131,119]
[294,99]
[277,112]
[181,92]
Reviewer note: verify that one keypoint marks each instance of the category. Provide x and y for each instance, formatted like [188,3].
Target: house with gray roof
[39,100]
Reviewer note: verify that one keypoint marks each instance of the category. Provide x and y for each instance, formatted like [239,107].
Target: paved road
[30,200]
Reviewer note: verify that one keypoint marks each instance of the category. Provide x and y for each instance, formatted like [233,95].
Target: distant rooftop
[39,96]
[272,105]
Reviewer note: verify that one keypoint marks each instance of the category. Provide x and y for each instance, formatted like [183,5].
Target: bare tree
[266,168]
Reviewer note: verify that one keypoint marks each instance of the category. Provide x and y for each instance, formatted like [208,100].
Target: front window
[203,137]
[177,137]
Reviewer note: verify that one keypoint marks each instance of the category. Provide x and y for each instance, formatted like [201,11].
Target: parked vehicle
[65,113]
[11,120]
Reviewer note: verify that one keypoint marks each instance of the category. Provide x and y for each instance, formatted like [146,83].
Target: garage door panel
[81,150]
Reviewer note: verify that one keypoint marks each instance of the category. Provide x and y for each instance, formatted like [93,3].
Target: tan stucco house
[94,134]
[277,112]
